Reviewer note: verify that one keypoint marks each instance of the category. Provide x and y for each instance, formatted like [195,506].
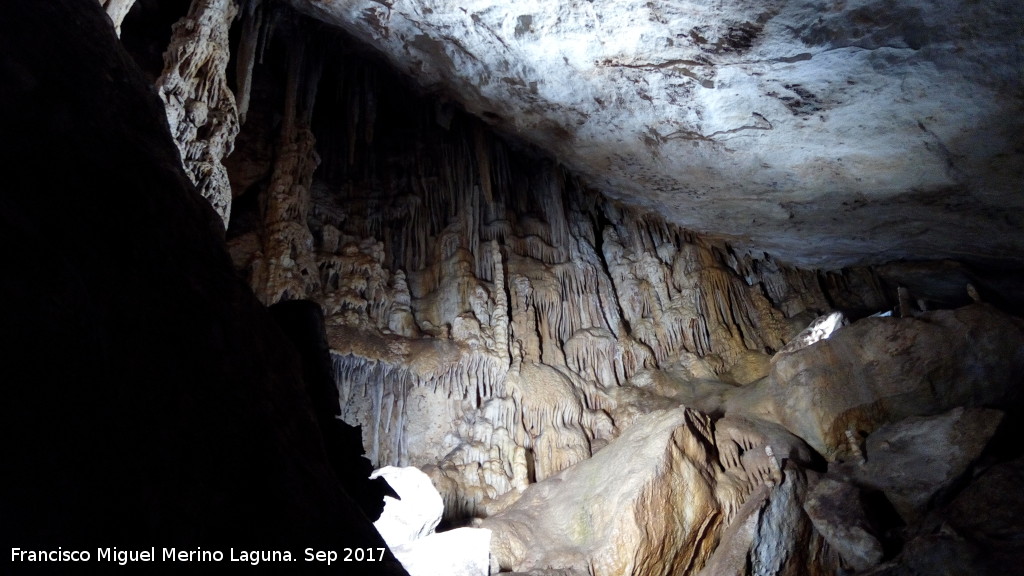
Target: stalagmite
[500,315]
[483,307]
[289,270]
[855,449]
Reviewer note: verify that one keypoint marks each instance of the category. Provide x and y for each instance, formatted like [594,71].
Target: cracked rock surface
[826,133]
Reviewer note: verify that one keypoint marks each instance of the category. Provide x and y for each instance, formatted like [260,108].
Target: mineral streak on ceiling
[825,132]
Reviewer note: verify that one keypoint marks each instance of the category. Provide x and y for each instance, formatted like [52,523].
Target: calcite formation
[483,306]
[201,108]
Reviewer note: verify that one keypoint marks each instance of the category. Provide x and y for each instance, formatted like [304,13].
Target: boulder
[881,370]
[836,509]
[645,504]
[915,459]
[990,512]
[658,499]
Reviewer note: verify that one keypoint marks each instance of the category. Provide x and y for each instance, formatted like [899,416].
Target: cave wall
[483,305]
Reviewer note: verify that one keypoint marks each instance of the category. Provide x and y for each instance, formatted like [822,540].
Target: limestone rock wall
[833,133]
[482,304]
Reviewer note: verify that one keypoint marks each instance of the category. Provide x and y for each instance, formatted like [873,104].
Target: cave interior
[257,257]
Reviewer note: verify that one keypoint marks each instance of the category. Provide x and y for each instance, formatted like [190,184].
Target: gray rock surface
[823,132]
[915,459]
[838,515]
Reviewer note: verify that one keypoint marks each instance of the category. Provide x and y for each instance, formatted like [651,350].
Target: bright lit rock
[458,552]
[407,525]
[821,329]
[416,511]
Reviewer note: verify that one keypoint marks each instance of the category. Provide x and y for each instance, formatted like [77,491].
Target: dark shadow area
[148,398]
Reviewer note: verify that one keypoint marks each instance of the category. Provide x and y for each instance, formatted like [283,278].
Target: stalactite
[252,24]
[200,107]
[483,162]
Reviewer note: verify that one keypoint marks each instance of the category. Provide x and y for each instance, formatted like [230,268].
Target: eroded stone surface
[837,512]
[822,132]
[880,370]
[658,498]
[915,459]
[200,106]
[642,505]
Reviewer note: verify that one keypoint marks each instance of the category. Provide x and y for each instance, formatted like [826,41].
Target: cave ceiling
[826,133]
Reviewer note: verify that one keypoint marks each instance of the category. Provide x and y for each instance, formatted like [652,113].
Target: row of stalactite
[482,303]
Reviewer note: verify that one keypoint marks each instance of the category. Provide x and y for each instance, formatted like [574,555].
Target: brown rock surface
[880,370]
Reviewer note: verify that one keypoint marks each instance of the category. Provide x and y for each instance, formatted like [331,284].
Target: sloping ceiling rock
[825,132]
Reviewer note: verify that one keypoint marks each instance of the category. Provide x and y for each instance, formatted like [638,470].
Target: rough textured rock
[914,460]
[489,316]
[809,129]
[786,543]
[200,106]
[599,513]
[148,397]
[989,513]
[653,502]
[484,309]
[838,514]
[880,370]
